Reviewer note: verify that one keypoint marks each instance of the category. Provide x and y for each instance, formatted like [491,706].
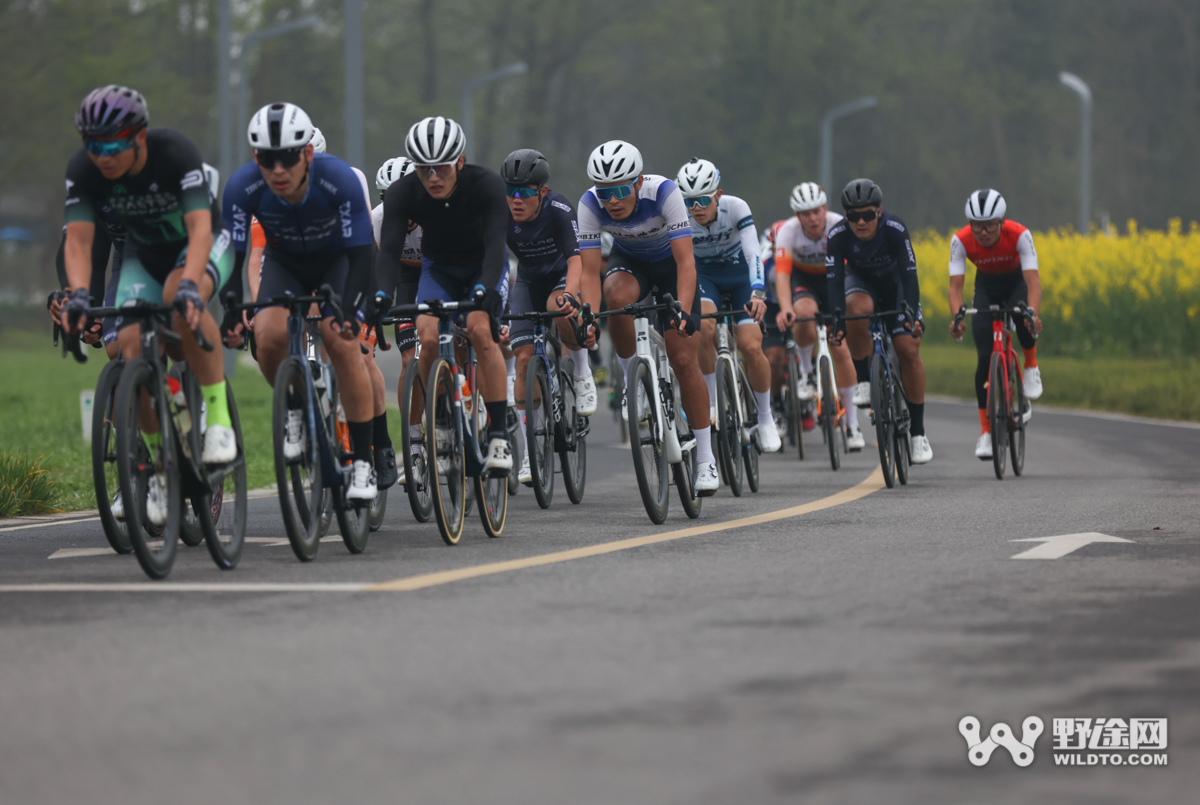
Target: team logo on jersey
[560,205]
[347,227]
[70,184]
[190,179]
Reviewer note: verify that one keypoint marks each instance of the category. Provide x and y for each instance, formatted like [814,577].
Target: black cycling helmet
[111,110]
[525,166]
[861,193]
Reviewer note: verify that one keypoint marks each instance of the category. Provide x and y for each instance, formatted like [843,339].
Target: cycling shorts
[885,292]
[716,281]
[454,283]
[282,273]
[137,281]
[813,286]
[528,295]
[660,274]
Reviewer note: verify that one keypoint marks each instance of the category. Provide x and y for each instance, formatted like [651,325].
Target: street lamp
[469,89]
[827,120]
[1080,88]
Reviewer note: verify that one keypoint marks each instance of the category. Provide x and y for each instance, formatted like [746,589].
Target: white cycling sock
[704,453]
[580,358]
[763,398]
[711,380]
[805,354]
[847,393]
[625,366]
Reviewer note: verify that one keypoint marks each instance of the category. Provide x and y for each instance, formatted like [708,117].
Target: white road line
[74,553]
[49,523]
[1084,412]
[180,587]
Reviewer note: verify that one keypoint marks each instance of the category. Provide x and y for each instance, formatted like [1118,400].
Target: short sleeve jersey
[544,245]
[730,241]
[658,218]
[794,249]
[1014,252]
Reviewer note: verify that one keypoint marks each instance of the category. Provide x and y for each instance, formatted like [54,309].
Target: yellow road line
[860,490]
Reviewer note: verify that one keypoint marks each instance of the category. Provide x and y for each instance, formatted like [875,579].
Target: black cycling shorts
[660,274]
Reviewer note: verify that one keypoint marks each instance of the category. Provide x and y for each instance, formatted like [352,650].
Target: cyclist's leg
[805,288]
[981,333]
[774,350]
[520,336]
[491,374]
[682,353]
[270,323]
[706,350]
[623,285]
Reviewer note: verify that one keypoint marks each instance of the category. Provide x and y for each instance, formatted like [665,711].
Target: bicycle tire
[354,520]
[377,510]
[417,485]
[900,429]
[490,488]
[447,489]
[539,431]
[298,484]
[572,459]
[829,423]
[648,450]
[1016,435]
[136,465]
[881,412]
[224,528]
[685,471]
[796,414]
[105,474]
[514,424]
[750,452]
[729,438]
[998,414]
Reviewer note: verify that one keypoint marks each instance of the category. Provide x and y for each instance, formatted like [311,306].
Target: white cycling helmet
[807,196]
[986,205]
[392,170]
[614,161]
[318,141]
[279,126]
[698,177]
[435,141]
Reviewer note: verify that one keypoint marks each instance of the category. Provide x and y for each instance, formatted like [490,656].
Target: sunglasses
[985,226]
[443,170]
[620,191]
[288,157]
[698,201]
[109,148]
[865,215]
[520,191]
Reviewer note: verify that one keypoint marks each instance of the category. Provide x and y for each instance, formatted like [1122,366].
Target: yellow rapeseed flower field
[1137,293]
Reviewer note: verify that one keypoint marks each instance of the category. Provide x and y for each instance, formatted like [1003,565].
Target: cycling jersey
[794,248]
[1014,251]
[884,262]
[544,245]
[729,242]
[658,218]
[411,253]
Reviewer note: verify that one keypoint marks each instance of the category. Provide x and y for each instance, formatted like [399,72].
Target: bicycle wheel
[728,431]
[645,425]
[685,470]
[750,452]
[104,456]
[298,482]
[881,412]
[444,445]
[998,414]
[224,527]
[900,420]
[573,458]
[796,412]
[829,423]
[513,425]
[190,532]
[354,521]
[490,488]
[539,431]
[377,510]
[416,465]
[1016,435]
[138,463]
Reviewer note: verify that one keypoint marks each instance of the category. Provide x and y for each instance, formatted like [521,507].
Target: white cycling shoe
[922,453]
[707,480]
[220,446]
[362,482]
[586,398]
[117,507]
[806,389]
[499,455]
[855,441]
[1033,383]
[768,436]
[862,395]
[983,447]
[525,475]
[156,499]
[293,435]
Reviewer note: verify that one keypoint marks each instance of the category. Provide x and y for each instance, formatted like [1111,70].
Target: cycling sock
[580,358]
[763,398]
[1030,357]
[218,404]
[711,380]
[862,369]
[704,453]
[360,439]
[153,441]
[984,422]
[805,354]
[625,367]
[383,439]
[917,413]
[847,394]
[498,414]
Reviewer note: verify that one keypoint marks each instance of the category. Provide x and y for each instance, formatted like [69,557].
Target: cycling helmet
[698,177]
[318,141]
[861,193]
[111,110]
[525,166]
[986,205]
[614,161]
[807,196]
[392,170]
[280,126]
[435,141]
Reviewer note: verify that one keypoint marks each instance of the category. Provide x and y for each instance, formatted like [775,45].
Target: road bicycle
[659,432]
[736,439]
[554,427]
[889,409]
[831,416]
[1007,407]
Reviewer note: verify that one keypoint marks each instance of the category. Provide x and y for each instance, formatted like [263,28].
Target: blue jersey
[332,216]
[658,218]
[544,245]
[888,257]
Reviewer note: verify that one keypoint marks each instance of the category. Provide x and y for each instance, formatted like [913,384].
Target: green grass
[26,487]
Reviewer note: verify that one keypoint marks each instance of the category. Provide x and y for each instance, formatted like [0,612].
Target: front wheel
[729,437]
[998,413]
[354,520]
[104,456]
[417,483]
[444,446]
[645,435]
[792,404]
[750,452]
[881,412]
[1016,435]
[298,480]
[222,511]
[539,431]
[829,417]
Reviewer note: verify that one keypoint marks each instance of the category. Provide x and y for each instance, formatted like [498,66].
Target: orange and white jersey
[794,248]
[1013,252]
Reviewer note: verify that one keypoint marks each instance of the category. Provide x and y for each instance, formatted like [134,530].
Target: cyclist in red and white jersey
[1006,271]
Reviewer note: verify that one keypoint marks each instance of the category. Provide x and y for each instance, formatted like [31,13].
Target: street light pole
[248,44]
[355,109]
[827,120]
[1080,88]
[469,89]
[224,90]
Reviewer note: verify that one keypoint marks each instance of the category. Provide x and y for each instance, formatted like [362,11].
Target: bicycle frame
[823,323]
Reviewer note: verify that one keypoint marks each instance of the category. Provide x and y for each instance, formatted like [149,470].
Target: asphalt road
[822,657]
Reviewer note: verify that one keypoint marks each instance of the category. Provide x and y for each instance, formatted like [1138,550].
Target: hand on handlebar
[569,301]
[757,308]
[784,320]
[959,325]
[74,313]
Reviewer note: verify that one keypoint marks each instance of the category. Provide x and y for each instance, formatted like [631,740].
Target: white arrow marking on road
[1060,546]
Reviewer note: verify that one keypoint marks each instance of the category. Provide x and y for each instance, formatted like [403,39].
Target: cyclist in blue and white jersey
[652,248]
[314,213]
[728,262]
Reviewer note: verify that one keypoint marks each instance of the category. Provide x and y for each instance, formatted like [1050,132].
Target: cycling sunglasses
[854,216]
[698,201]
[443,170]
[521,191]
[620,191]
[109,148]
[266,158]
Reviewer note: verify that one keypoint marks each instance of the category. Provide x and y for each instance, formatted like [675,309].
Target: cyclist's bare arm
[957,283]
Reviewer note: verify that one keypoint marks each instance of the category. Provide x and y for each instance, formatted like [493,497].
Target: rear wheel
[881,411]
[645,425]
[998,414]
[795,409]
[829,416]
[1016,436]
[750,451]
[222,512]
[539,431]
[416,465]
[104,456]
[685,471]
[729,437]
[444,446]
[514,425]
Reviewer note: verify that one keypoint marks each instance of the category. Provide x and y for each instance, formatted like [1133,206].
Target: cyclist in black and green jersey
[176,249]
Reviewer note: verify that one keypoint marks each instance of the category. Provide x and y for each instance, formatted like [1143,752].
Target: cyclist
[175,247]
[871,266]
[774,343]
[464,219]
[1006,272]
[802,243]
[728,261]
[541,233]
[652,247]
[109,239]
[314,214]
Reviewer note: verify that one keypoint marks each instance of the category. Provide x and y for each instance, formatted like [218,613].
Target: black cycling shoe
[385,467]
